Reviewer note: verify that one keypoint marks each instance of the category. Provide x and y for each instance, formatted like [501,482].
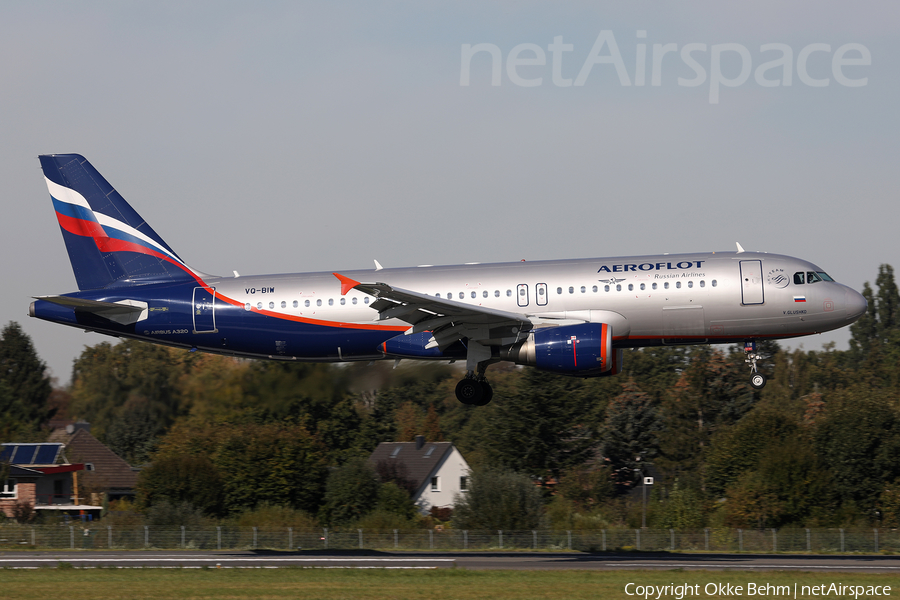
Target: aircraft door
[751,282]
[540,291]
[204,310]
[522,294]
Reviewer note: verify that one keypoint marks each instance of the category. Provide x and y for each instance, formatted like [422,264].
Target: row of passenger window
[308,303]
[462,295]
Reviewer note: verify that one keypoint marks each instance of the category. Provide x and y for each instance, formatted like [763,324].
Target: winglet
[347,284]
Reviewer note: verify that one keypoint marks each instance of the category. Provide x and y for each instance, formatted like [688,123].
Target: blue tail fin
[109,244]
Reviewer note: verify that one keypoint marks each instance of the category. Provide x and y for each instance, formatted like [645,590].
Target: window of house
[429,452]
[436,484]
[396,451]
[9,489]
[463,483]
[88,466]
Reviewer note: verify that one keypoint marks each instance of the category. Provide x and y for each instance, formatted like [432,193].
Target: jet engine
[585,350]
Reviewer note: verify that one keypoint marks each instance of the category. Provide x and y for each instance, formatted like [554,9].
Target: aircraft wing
[124,312]
[448,320]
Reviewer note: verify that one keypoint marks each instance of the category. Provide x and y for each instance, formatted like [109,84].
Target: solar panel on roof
[24,454]
[46,454]
[30,454]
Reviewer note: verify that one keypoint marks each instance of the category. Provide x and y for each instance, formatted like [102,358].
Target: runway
[444,560]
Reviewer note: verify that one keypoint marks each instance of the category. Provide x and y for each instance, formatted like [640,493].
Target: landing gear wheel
[470,391]
[487,394]
[758,381]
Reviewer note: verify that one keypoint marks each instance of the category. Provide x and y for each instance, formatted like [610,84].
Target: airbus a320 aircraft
[566,316]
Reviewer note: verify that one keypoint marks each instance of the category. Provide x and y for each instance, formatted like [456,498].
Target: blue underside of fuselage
[229,329]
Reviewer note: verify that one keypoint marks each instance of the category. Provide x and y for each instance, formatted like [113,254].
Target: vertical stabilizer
[109,244]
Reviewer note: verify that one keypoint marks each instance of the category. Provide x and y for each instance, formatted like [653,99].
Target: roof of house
[108,468]
[418,464]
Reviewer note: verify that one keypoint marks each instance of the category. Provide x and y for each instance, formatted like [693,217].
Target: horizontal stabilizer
[124,312]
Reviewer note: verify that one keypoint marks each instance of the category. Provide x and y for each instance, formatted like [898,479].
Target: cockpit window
[799,278]
[824,276]
[812,277]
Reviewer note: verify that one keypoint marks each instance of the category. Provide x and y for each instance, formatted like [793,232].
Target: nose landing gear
[757,379]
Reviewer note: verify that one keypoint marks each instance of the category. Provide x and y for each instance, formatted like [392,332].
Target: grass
[378,584]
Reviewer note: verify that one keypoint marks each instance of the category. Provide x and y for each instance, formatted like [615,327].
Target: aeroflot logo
[660,266]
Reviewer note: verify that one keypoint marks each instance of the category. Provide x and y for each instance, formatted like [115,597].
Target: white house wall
[449,472]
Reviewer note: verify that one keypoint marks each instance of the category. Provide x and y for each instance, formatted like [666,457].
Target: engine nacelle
[585,350]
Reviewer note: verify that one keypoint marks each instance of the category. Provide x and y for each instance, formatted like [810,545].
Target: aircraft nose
[855,303]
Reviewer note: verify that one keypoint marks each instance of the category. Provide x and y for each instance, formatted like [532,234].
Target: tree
[499,499]
[182,479]
[24,384]
[630,434]
[351,492]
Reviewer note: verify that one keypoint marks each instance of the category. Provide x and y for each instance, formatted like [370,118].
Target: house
[105,472]
[433,472]
[40,480]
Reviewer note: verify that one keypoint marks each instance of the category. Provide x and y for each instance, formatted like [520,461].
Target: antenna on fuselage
[378,266]
[740,248]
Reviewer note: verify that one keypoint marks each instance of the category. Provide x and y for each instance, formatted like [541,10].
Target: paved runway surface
[467,560]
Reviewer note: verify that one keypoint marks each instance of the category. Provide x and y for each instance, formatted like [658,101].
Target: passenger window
[474,294]
[508,293]
[678,285]
[343,301]
[630,287]
[366,300]
[798,278]
[484,294]
[331,302]
[283,304]
[583,289]
[319,302]
[522,291]
[618,287]
[296,304]
[306,303]
[353,301]
[605,288]
[496,293]
[594,289]
[643,286]
[247,306]
[271,305]
[559,290]
[462,295]
[714,283]
[653,286]
[666,285]
[571,290]
[259,305]
[690,284]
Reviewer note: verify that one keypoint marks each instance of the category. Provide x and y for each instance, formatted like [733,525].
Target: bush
[499,499]
[269,516]
[350,492]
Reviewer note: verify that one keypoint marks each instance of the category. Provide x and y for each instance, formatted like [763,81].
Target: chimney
[420,441]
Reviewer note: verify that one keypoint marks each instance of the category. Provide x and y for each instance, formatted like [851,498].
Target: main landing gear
[474,388]
[757,379]
[474,392]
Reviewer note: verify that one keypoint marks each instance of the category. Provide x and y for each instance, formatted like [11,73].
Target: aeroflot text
[678,592]
[660,266]
[814,62]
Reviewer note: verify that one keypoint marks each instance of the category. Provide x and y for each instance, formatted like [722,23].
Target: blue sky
[295,136]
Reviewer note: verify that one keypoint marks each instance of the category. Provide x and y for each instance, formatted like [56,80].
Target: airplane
[572,317]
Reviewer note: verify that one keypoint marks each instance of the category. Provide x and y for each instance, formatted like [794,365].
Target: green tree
[351,492]
[181,479]
[630,434]
[24,384]
[499,499]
